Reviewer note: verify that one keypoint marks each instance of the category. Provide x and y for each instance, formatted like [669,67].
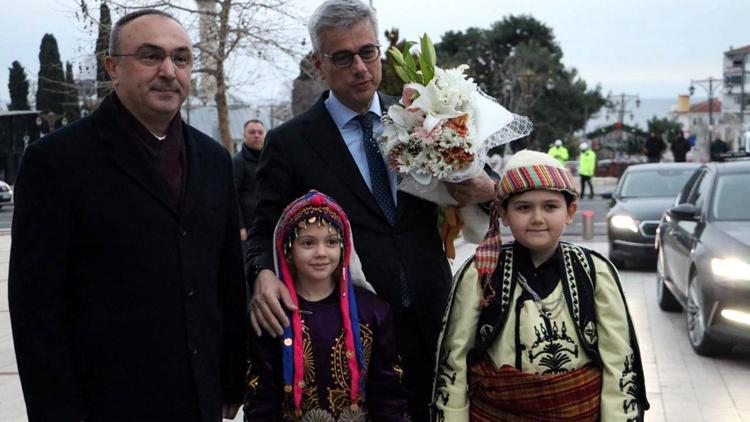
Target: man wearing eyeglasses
[126,288]
[331,147]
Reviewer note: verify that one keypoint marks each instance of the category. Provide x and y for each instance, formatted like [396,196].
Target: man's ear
[572,208]
[111,68]
[317,62]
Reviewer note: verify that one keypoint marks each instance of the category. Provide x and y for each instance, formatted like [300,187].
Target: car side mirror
[686,212]
[607,195]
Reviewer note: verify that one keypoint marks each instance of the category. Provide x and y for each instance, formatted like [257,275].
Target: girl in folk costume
[337,360]
[537,329]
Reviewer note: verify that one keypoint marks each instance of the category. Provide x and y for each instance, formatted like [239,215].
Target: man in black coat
[680,147]
[126,290]
[245,162]
[655,147]
[325,149]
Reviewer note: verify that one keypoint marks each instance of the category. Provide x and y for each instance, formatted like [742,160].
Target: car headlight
[625,222]
[730,268]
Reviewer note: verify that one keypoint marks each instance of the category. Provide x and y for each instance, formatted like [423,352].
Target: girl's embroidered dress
[337,361]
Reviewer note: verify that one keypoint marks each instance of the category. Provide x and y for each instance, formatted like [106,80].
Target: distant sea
[649,107]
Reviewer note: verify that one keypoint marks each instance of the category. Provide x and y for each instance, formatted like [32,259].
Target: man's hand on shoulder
[477,190]
[266,311]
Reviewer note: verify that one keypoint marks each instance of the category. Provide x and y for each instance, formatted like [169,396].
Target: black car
[642,195]
[703,244]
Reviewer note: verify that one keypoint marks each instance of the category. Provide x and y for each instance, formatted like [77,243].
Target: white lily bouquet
[443,127]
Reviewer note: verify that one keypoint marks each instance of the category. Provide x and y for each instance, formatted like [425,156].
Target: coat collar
[321,133]
[126,155]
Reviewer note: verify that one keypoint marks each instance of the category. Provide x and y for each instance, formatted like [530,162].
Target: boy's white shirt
[612,327]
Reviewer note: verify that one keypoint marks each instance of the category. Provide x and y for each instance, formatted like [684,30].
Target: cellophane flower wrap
[443,127]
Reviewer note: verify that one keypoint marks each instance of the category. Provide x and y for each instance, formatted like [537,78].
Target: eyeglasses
[151,57]
[368,54]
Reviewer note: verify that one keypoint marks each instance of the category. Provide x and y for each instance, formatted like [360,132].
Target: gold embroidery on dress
[338,396]
[252,377]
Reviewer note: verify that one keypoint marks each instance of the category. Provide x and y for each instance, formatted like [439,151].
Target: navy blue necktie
[381,188]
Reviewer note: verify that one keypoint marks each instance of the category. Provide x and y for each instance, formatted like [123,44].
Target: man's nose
[358,65]
[167,68]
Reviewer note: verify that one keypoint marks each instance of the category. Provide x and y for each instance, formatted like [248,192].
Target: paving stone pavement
[681,385]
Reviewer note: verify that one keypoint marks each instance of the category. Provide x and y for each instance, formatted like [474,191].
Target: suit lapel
[125,153]
[321,133]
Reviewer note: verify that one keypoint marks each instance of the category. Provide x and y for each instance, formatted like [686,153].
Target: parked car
[642,195]
[703,246]
[6,194]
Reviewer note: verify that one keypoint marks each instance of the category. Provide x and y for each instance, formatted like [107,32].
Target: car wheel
[700,338]
[664,296]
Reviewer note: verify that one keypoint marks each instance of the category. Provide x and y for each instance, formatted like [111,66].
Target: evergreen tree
[18,86]
[50,94]
[518,61]
[103,85]
[71,108]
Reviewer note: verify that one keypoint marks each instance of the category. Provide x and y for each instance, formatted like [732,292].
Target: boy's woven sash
[507,394]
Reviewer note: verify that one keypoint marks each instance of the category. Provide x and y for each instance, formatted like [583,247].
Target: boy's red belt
[507,394]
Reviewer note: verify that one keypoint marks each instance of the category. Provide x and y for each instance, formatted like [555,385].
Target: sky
[650,48]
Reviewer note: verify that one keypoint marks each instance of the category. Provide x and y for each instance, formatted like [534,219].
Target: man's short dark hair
[253,121]
[114,36]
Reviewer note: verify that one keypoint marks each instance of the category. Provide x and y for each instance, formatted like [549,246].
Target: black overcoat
[122,307]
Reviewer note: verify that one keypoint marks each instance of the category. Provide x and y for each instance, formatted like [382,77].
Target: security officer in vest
[559,152]
[586,167]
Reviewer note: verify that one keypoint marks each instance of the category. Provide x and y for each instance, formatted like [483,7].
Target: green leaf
[403,74]
[396,55]
[427,59]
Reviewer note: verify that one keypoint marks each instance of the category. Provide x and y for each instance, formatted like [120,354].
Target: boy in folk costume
[537,329]
[337,360]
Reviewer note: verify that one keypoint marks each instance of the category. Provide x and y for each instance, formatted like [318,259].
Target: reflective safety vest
[559,153]
[587,163]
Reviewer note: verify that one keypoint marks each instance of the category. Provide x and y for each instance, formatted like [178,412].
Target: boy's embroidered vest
[578,287]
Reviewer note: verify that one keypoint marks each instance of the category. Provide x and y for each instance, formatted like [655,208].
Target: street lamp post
[710,91]
[619,104]
[708,84]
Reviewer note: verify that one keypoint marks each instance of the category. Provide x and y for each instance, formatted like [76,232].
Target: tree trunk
[222,110]
[221,84]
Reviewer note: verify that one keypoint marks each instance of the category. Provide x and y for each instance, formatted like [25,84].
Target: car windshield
[730,197]
[654,183]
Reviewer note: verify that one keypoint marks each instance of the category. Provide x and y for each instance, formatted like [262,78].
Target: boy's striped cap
[527,170]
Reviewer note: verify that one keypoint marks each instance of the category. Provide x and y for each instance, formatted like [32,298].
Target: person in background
[245,162]
[717,148]
[559,152]
[126,290]
[586,169]
[655,147]
[680,147]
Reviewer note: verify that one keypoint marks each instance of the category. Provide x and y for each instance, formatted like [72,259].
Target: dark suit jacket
[308,152]
[245,163]
[122,307]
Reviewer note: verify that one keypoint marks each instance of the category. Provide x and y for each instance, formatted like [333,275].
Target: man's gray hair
[337,14]
[114,36]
